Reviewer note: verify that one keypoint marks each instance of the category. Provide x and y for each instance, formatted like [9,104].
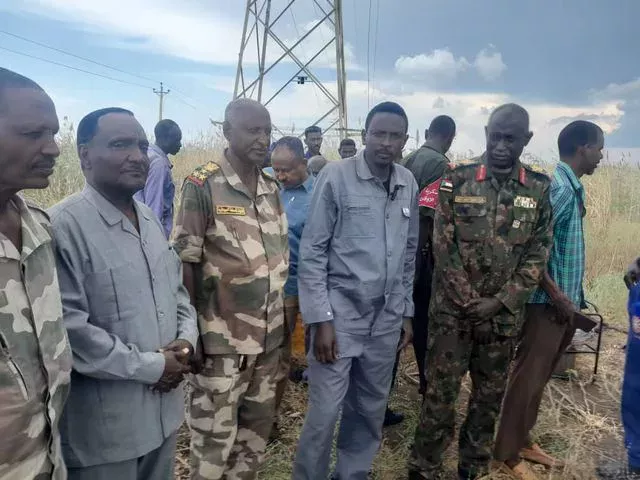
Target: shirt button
[388,216]
[388,254]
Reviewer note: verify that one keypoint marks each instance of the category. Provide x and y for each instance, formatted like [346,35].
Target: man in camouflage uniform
[36,358]
[231,233]
[491,240]
[427,164]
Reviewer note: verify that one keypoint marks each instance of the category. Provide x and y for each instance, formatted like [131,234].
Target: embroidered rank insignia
[522,176]
[200,174]
[524,202]
[429,195]
[476,200]
[481,173]
[446,186]
[230,210]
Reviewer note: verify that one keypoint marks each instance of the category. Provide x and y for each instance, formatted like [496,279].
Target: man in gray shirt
[355,280]
[130,323]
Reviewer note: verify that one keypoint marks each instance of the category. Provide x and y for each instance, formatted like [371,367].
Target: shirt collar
[570,175]
[107,210]
[515,171]
[363,171]
[33,233]
[235,182]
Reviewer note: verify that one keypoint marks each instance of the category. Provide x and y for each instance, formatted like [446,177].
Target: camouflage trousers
[230,415]
[449,357]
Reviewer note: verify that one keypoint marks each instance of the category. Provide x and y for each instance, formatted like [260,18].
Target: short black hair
[294,144]
[88,126]
[577,134]
[387,107]
[312,129]
[164,127]
[11,79]
[347,141]
[442,126]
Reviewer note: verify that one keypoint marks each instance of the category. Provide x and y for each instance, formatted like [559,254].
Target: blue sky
[561,60]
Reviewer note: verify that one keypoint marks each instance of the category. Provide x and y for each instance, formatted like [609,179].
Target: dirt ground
[579,422]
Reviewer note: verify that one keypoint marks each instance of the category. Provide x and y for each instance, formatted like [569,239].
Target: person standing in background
[159,190]
[549,315]
[427,164]
[313,141]
[35,357]
[347,148]
[290,168]
[356,268]
[131,326]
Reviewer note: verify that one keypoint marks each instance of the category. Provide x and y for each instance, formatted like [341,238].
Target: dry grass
[578,420]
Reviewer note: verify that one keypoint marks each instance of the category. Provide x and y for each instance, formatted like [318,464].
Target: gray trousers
[155,465]
[358,383]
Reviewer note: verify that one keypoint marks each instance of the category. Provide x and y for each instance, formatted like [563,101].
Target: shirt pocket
[358,219]
[13,384]
[471,222]
[522,225]
[113,294]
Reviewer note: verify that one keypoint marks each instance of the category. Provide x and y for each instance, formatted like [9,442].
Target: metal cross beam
[259,23]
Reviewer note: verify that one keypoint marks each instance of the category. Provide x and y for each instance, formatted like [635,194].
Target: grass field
[578,421]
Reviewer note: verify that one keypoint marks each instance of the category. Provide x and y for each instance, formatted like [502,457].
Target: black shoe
[391,418]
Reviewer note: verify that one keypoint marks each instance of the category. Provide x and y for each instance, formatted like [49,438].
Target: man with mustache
[491,240]
[231,233]
[131,326]
[355,279]
[549,314]
[35,358]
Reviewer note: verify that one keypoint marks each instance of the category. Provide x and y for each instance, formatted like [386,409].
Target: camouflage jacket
[35,358]
[490,239]
[241,248]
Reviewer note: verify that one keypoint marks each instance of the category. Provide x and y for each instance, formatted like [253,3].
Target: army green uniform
[491,239]
[35,357]
[240,247]
[428,166]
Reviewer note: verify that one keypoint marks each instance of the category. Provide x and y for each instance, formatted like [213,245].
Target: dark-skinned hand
[407,334]
[183,348]
[482,309]
[633,274]
[483,333]
[174,370]
[325,347]
[197,359]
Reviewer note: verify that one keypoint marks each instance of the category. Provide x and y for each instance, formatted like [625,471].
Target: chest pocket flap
[522,224]
[471,221]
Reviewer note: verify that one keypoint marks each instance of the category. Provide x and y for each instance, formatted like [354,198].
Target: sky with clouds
[561,60]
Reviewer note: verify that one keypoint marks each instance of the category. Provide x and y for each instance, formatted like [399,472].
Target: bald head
[507,135]
[247,128]
[316,163]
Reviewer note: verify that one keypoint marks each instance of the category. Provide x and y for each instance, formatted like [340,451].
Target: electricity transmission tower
[259,22]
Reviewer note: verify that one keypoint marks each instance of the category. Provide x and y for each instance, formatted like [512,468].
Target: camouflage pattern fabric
[427,165]
[232,404]
[491,238]
[241,249]
[449,358]
[35,357]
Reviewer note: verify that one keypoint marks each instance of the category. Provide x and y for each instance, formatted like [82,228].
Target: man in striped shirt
[548,327]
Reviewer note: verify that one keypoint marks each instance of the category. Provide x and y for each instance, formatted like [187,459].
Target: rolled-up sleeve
[96,352]
[410,253]
[314,252]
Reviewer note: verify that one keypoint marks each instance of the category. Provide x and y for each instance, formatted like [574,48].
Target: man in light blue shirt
[159,189]
[130,323]
[290,169]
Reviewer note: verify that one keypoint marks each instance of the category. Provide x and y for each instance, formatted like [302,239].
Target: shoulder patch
[537,168]
[268,175]
[202,173]
[464,163]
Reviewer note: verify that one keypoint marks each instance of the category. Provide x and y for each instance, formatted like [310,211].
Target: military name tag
[524,202]
[476,200]
[230,210]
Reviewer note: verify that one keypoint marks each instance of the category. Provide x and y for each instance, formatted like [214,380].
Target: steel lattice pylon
[259,21]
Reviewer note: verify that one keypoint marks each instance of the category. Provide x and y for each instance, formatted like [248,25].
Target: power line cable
[35,57]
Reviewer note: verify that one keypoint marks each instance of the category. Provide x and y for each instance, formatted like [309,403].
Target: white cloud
[439,63]
[489,65]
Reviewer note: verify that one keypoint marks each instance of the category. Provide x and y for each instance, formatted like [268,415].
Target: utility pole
[161,94]
[260,21]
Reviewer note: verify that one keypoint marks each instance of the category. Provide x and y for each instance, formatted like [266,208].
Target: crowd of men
[104,318]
